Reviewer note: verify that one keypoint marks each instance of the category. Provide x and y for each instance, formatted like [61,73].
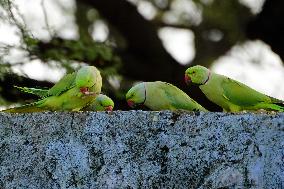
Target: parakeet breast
[214,92]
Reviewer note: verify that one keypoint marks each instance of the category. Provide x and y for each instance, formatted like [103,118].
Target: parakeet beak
[130,103]
[84,90]
[187,79]
[109,108]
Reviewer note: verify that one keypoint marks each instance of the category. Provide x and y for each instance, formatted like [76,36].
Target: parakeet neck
[145,94]
[209,74]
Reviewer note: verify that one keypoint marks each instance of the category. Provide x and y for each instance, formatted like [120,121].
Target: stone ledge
[138,149]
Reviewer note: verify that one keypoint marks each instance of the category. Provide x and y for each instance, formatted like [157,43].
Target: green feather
[162,96]
[65,95]
[27,108]
[101,103]
[230,94]
[67,82]
[42,93]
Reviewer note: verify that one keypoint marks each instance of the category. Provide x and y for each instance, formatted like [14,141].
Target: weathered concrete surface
[141,150]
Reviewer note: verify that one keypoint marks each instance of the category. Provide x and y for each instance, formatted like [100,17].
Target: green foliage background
[132,51]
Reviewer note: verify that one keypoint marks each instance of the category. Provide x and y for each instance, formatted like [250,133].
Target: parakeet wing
[42,93]
[65,83]
[178,98]
[171,92]
[242,95]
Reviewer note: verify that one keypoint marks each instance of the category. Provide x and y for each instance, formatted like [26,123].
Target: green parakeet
[101,103]
[230,94]
[72,93]
[161,96]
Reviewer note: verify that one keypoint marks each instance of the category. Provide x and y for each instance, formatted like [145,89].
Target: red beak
[109,108]
[84,90]
[187,79]
[130,103]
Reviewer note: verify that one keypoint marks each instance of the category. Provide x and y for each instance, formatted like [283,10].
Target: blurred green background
[140,40]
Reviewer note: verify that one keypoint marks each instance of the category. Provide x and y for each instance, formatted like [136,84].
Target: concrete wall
[137,149]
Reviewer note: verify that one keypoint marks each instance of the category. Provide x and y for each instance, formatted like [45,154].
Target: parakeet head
[136,95]
[104,103]
[197,75]
[86,77]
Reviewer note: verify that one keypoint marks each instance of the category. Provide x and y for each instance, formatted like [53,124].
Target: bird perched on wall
[72,93]
[160,95]
[101,103]
[230,94]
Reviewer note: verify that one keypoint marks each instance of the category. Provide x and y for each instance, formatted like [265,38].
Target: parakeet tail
[277,104]
[277,107]
[24,109]
[38,92]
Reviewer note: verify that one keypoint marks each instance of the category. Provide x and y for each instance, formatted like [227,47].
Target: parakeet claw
[90,93]
[85,91]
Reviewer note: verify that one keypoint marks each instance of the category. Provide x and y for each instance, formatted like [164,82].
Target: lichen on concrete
[141,149]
